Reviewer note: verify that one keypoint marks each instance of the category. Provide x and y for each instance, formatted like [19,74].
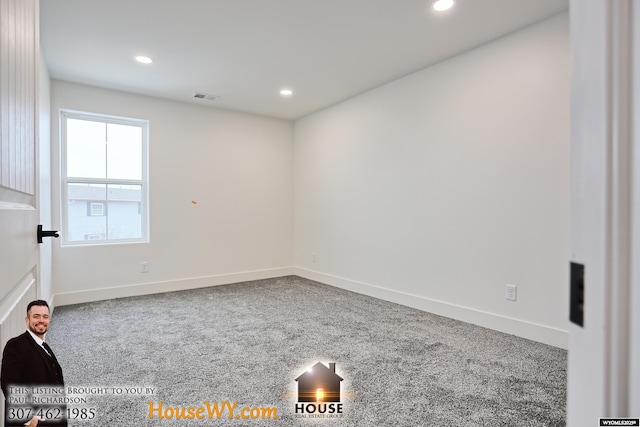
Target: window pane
[86,149]
[104,212]
[123,211]
[124,152]
[82,223]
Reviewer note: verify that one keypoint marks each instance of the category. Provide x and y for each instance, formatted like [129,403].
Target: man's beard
[35,330]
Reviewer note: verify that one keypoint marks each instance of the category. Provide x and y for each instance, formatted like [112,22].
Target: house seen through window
[104,178]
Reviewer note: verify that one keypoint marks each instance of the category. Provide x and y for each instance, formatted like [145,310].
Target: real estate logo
[319,392]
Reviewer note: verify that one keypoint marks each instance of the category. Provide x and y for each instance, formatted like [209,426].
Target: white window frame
[65,180]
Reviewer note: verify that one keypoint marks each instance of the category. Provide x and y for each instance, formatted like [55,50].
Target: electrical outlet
[144,267]
[512,292]
[314,257]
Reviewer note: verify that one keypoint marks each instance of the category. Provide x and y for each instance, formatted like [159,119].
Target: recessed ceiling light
[144,59]
[286,92]
[442,5]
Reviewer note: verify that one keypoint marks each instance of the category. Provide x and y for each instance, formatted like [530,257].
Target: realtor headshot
[31,376]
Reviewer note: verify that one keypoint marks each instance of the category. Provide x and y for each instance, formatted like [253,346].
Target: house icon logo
[319,391]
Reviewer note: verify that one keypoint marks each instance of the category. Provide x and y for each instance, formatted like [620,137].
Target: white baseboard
[91,295]
[536,332]
[540,333]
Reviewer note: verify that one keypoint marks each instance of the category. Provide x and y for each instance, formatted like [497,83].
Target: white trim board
[536,332]
[79,297]
[528,330]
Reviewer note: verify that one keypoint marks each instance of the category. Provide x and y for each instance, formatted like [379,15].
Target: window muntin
[104,174]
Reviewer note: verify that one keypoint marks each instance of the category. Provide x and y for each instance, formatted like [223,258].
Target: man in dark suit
[31,376]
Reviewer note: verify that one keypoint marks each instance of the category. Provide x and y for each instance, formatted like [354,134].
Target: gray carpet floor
[248,342]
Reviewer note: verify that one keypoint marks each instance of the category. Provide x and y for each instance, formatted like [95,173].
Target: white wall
[435,191]
[237,167]
[438,189]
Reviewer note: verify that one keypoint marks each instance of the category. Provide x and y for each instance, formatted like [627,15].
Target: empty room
[286,212]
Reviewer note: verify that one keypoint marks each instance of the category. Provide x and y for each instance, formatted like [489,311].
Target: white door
[604,351]
[19,214]
[634,378]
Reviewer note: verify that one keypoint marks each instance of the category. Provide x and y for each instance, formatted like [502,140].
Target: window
[96,209]
[104,179]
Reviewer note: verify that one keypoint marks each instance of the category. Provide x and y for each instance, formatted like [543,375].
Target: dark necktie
[57,370]
[46,347]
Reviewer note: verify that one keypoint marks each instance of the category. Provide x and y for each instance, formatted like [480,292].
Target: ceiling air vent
[207,96]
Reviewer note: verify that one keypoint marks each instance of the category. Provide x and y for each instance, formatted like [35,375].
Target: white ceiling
[245,51]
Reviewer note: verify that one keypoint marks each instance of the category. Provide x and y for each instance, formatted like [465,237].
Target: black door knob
[47,233]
